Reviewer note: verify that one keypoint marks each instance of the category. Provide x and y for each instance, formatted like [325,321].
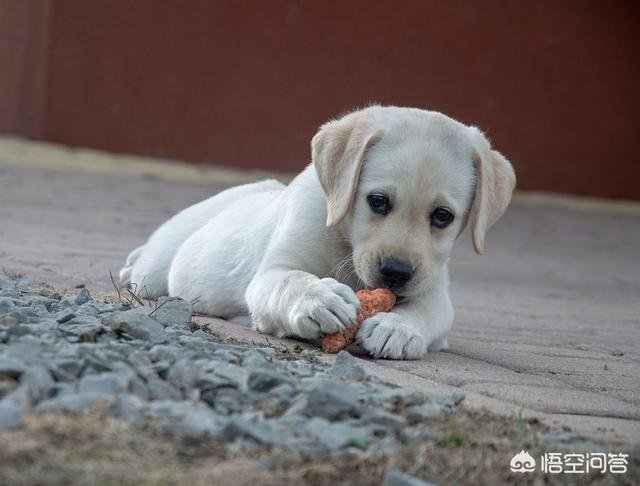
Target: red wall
[246,83]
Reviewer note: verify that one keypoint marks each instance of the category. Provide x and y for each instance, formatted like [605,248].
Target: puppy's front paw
[388,335]
[326,307]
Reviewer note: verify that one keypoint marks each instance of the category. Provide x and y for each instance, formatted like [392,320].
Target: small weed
[358,442]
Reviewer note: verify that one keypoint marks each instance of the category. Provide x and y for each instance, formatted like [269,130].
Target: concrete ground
[547,322]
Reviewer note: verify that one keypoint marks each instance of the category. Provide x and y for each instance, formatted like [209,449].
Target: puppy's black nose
[395,273]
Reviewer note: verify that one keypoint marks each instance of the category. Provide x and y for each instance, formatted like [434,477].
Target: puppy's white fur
[290,258]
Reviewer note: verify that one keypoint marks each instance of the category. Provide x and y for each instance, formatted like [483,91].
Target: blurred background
[547,320]
[246,83]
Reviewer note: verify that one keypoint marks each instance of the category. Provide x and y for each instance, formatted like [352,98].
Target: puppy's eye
[379,204]
[441,218]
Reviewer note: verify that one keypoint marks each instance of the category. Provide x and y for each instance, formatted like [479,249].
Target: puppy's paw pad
[387,335]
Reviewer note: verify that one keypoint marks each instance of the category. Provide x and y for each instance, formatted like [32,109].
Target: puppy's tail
[127,270]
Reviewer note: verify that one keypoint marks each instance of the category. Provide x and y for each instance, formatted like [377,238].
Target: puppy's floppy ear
[495,182]
[338,151]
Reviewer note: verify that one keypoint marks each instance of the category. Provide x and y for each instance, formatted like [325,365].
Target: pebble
[263,380]
[337,435]
[419,413]
[10,415]
[147,366]
[172,311]
[83,297]
[6,282]
[72,402]
[328,399]
[345,366]
[137,324]
[11,367]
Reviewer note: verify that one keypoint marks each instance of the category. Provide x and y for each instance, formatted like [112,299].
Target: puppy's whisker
[345,264]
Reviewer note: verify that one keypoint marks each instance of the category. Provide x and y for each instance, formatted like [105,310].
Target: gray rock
[41,299]
[11,367]
[90,308]
[161,390]
[283,391]
[9,293]
[420,413]
[6,305]
[65,369]
[139,388]
[38,383]
[384,419]
[226,355]
[337,435]
[127,407]
[329,399]
[255,360]
[225,401]
[191,419]
[184,374]
[68,301]
[161,368]
[396,397]
[266,379]
[269,352]
[446,404]
[232,375]
[394,477]
[106,384]
[65,315]
[92,363]
[301,368]
[83,297]
[6,282]
[345,366]
[72,402]
[18,331]
[83,328]
[162,352]
[10,414]
[137,324]
[19,315]
[107,308]
[7,386]
[28,348]
[257,428]
[172,311]
[42,327]
[197,422]
[458,396]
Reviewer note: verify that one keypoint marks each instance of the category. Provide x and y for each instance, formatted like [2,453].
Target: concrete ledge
[44,155]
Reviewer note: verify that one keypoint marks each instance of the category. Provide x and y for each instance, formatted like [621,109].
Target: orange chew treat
[371,302]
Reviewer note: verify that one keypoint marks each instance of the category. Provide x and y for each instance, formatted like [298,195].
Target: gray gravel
[151,366]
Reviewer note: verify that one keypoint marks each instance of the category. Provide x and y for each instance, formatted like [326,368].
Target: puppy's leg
[295,303]
[125,273]
[147,268]
[413,327]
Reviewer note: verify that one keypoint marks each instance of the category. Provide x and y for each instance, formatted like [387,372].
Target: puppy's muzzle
[395,273]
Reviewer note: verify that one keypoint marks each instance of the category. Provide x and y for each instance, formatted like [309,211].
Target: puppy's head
[402,183]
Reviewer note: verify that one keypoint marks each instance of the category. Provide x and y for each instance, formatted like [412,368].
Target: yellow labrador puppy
[387,194]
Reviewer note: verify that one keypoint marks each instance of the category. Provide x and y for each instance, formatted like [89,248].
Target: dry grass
[469,448]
